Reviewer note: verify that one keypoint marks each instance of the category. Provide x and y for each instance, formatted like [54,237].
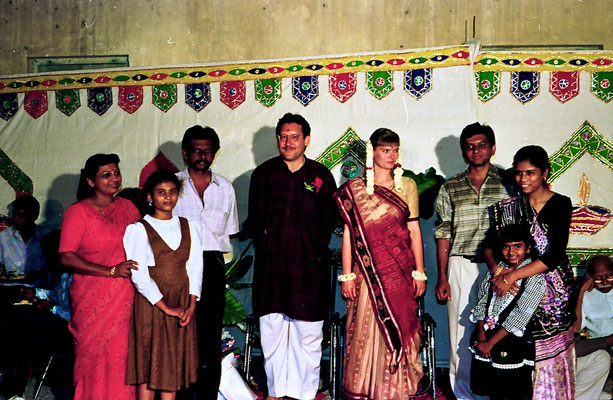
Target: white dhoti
[592,372]
[464,279]
[292,355]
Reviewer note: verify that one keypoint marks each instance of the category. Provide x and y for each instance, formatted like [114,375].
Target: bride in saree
[383,274]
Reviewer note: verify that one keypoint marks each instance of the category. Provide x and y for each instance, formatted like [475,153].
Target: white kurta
[136,244]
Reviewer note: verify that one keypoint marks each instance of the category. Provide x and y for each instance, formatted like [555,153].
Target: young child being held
[163,353]
[502,347]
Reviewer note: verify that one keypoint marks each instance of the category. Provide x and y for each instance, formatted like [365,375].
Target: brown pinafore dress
[161,353]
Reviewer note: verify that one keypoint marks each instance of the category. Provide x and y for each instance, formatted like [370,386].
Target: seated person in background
[503,349]
[595,313]
[30,333]
[20,250]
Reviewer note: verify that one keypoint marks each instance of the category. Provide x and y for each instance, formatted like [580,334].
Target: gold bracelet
[498,272]
[112,272]
[346,277]
[504,279]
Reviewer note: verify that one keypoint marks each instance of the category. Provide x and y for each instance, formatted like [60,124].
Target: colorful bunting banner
[564,85]
[198,95]
[164,96]
[525,85]
[380,83]
[99,100]
[601,85]
[130,98]
[35,103]
[268,91]
[418,82]
[488,84]
[305,89]
[342,86]
[232,93]
[67,101]
[8,105]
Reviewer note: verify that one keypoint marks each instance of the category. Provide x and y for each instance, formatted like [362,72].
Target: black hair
[477,129]
[384,136]
[535,155]
[27,203]
[92,165]
[515,233]
[589,268]
[290,118]
[198,132]
[158,176]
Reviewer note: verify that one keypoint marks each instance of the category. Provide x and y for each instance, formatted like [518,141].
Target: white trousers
[292,354]
[464,280]
[592,372]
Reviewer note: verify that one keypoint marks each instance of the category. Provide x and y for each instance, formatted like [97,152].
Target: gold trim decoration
[579,256]
[544,61]
[388,61]
[586,139]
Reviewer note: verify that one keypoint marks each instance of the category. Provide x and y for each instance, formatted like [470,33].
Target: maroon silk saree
[382,326]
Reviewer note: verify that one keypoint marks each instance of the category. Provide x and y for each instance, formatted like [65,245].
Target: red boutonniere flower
[317,183]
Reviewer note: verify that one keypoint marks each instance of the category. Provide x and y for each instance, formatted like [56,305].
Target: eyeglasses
[291,138]
[199,152]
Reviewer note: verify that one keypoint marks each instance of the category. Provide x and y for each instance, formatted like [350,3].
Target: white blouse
[137,247]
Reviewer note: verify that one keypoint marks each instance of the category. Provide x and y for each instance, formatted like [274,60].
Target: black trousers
[209,317]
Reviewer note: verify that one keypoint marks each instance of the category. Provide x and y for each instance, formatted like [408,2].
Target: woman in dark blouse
[549,215]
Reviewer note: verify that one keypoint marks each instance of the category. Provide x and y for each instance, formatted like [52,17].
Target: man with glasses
[594,311]
[208,199]
[291,217]
[464,216]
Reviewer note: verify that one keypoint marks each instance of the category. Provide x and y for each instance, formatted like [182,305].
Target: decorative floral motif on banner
[349,144]
[198,95]
[488,84]
[164,96]
[67,101]
[8,105]
[305,89]
[380,83]
[130,98]
[588,219]
[564,85]
[99,99]
[418,82]
[543,61]
[601,85]
[268,91]
[342,86]
[586,139]
[35,103]
[14,176]
[525,85]
[232,93]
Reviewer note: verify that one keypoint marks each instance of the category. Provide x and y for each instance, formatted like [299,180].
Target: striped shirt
[216,212]
[465,215]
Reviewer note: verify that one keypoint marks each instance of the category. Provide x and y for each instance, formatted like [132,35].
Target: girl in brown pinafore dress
[163,353]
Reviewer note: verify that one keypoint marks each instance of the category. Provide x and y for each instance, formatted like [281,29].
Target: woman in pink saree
[383,274]
[101,296]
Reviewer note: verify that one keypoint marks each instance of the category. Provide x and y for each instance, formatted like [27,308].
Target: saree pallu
[551,325]
[383,332]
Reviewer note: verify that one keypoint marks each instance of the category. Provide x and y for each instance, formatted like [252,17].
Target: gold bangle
[504,279]
[112,271]
[498,272]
